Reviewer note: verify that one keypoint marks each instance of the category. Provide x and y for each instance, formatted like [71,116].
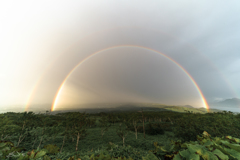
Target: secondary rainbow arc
[97,52]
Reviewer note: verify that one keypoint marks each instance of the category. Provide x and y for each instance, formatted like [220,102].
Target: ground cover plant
[136,135]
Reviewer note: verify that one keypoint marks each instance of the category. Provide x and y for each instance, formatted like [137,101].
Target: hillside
[134,107]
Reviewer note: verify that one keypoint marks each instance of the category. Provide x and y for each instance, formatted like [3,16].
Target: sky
[65,53]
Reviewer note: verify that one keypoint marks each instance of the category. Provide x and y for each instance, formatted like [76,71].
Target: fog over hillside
[232,104]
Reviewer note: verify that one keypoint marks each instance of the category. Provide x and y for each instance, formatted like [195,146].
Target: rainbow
[109,48]
[32,93]
[35,87]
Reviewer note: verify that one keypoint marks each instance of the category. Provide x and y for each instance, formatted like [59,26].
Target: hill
[231,104]
[134,107]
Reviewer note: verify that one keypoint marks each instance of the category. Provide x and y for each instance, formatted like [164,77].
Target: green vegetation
[129,135]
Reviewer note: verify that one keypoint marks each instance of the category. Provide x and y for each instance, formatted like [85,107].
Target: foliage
[25,122]
[154,129]
[33,155]
[123,130]
[51,149]
[127,151]
[104,125]
[78,126]
[205,147]
[31,130]
[7,127]
[150,156]
[7,148]
[216,124]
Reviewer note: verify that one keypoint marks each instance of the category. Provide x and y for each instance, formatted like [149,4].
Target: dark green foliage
[166,126]
[51,149]
[154,129]
[151,129]
[204,148]
[7,148]
[216,124]
[7,128]
[112,118]
[79,131]
[103,123]
[128,151]
[34,155]
[150,156]
[77,123]
[123,130]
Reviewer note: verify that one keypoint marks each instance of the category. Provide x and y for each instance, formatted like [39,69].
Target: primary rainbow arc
[100,51]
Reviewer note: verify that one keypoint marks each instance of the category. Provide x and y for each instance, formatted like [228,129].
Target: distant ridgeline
[227,104]
[134,107]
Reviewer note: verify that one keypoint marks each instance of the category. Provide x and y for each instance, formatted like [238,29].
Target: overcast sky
[42,41]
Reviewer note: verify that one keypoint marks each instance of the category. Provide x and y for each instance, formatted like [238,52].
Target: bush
[216,124]
[153,129]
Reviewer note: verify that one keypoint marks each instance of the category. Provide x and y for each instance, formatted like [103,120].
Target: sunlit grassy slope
[134,107]
[194,110]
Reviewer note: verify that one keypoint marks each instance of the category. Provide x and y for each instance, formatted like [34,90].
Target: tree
[44,121]
[7,128]
[112,118]
[35,133]
[91,121]
[123,130]
[66,132]
[54,131]
[143,118]
[78,125]
[135,120]
[26,122]
[104,125]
